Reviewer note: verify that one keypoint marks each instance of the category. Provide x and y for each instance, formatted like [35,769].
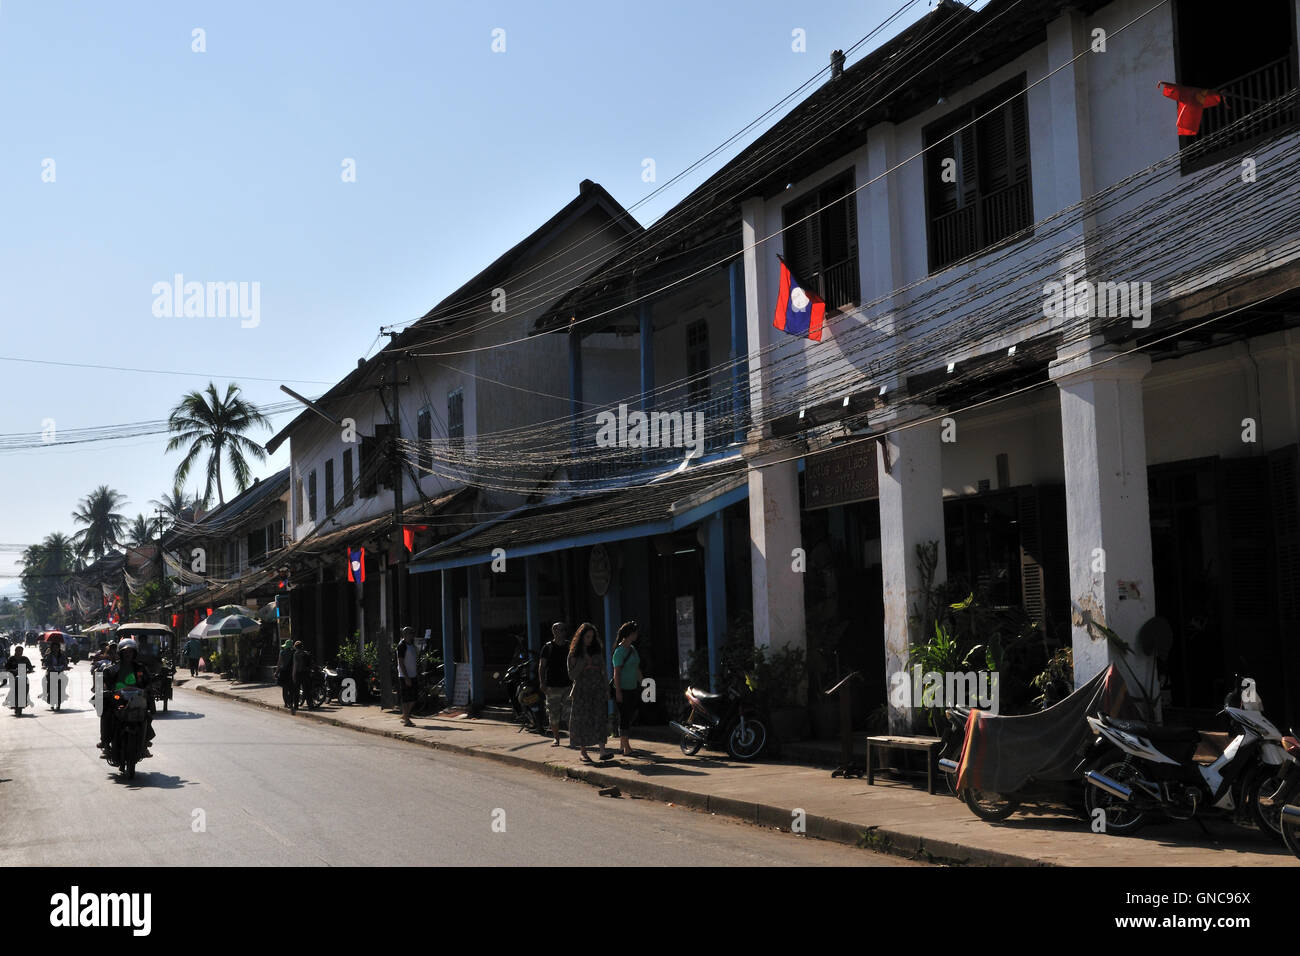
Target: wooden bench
[929,745]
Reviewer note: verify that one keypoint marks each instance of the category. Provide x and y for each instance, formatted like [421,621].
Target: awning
[663,506]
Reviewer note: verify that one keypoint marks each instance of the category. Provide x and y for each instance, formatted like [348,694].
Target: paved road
[231,784]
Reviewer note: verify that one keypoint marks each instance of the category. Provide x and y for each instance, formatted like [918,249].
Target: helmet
[127,642]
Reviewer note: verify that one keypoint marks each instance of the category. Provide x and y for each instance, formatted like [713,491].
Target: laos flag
[357,564]
[798,310]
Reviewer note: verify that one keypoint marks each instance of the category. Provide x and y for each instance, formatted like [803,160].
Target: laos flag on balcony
[1191,102]
[357,564]
[799,311]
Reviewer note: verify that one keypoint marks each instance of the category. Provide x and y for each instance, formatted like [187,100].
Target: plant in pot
[779,681]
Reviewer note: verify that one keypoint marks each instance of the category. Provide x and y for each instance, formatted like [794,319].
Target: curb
[880,839]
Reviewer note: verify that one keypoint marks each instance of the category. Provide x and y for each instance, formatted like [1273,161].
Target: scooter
[1154,772]
[731,719]
[1289,819]
[520,683]
[128,741]
[54,687]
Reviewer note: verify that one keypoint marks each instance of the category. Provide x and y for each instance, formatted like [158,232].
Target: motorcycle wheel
[748,744]
[129,768]
[989,806]
[319,696]
[1291,835]
[1119,816]
[1264,781]
[690,745]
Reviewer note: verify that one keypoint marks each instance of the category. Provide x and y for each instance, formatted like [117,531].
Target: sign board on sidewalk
[460,693]
[685,632]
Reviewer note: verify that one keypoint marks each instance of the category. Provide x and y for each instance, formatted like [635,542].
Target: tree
[143,530]
[173,504]
[207,422]
[102,523]
[46,568]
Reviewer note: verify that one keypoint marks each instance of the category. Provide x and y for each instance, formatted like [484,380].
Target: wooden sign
[841,476]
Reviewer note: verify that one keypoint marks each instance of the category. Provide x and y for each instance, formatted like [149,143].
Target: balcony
[1246,109]
[719,429]
[978,225]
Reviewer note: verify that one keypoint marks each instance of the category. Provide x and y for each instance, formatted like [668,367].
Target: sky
[128,155]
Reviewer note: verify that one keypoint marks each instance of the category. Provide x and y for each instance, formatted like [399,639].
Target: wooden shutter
[348,491]
[803,239]
[1032,586]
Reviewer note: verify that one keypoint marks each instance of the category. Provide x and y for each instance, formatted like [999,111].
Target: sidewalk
[892,816]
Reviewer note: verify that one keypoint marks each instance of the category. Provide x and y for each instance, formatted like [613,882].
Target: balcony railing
[1243,105]
[989,219]
[719,418]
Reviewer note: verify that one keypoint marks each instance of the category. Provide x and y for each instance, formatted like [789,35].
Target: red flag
[357,565]
[408,538]
[1191,101]
[209,614]
[799,311]
[176,620]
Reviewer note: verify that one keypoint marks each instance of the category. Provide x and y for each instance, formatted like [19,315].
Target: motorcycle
[1289,819]
[521,686]
[19,689]
[1155,773]
[127,742]
[54,687]
[1270,788]
[731,719]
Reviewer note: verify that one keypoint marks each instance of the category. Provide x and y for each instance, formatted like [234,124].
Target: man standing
[553,676]
[193,651]
[284,674]
[301,677]
[407,673]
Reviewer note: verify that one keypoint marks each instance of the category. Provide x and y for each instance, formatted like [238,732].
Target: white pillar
[774,534]
[1107,511]
[911,514]
[758,313]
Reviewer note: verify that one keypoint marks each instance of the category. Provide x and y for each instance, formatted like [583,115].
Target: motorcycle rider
[55,660]
[16,660]
[128,671]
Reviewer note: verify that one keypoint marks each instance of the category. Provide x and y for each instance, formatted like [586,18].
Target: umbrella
[232,625]
[268,612]
[200,629]
[228,609]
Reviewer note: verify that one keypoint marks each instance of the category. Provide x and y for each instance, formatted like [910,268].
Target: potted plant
[779,679]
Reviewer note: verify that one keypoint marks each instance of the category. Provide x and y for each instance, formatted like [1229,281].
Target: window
[977,176]
[1251,60]
[256,545]
[456,419]
[348,491]
[821,248]
[375,453]
[329,486]
[275,535]
[697,362]
[311,495]
[424,432]
[297,489]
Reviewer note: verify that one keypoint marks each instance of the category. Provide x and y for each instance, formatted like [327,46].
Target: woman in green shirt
[627,682]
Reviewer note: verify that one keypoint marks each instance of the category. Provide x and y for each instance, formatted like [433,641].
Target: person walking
[588,724]
[193,651]
[301,677]
[627,682]
[553,677]
[407,673]
[284,673]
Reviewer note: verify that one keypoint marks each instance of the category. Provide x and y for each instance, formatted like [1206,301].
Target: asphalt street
[234,785]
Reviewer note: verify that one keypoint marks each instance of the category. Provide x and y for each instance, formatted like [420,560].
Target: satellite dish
[1155,638]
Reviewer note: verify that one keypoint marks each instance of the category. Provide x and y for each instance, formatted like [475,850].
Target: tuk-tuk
[155,652]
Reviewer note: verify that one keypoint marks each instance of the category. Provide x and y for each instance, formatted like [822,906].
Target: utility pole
[388,636]
[162,577]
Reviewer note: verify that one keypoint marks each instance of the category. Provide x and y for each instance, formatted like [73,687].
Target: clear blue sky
[225,165]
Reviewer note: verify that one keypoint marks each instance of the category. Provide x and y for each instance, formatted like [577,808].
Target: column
[911,514]
[715,593]
[739,349]
[475,624]
[755,258]
[774,534]
[448,634]
[1107,511]
[530,603]
[613,607]
[647,355]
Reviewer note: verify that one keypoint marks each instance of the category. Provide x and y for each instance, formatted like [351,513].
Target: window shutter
[1032,586]
[1019,140]
[967,165]
[802,243]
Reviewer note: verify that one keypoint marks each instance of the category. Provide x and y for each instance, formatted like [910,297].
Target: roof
[227,516]
[946,49]
[590,196]
[664,506]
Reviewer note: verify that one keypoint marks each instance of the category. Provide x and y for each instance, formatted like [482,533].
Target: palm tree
[143,530]
[46,568]
[173,504]
[103,525]
[205,421]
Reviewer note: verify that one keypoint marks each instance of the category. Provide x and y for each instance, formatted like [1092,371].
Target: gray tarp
[1001,754]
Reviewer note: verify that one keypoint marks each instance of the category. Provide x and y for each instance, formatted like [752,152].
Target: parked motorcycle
[128,737]
[731,720]
[1289,819]
[521,686]
[1269,788]
[1154,772]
